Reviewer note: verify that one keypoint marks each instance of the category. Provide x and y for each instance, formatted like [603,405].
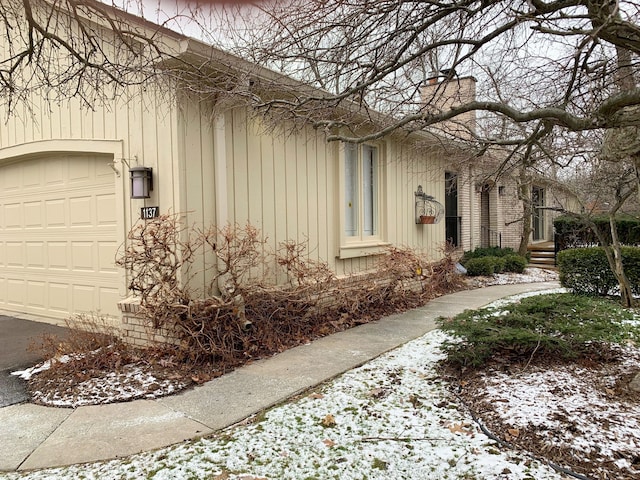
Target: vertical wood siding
[285,182]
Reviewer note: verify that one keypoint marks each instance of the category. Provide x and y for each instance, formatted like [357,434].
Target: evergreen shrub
[499,260]
[586,271]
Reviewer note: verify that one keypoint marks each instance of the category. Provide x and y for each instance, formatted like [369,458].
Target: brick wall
[137,330]
[437,97]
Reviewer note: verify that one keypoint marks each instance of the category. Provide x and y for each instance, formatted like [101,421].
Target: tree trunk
[626,295]
[613,253]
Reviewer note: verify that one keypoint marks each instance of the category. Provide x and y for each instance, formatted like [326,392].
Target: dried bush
[238,253]
[252,316]
[93,344]
[157,257]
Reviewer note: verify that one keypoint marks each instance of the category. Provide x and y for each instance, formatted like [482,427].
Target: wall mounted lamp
[141,181]
[428,209]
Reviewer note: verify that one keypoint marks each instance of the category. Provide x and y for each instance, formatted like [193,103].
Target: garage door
[58,239]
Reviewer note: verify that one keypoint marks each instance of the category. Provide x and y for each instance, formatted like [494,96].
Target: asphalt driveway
[15,337]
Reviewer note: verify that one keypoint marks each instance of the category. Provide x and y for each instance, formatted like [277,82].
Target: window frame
[362,244]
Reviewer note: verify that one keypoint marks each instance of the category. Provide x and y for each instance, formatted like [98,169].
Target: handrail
[490,238]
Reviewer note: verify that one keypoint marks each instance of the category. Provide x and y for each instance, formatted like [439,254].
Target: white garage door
[58,239]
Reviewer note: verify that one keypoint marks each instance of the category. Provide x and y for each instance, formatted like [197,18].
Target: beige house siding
[217,167]
[287,183]
[129,131]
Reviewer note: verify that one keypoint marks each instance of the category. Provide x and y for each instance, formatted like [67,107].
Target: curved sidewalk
[35,437]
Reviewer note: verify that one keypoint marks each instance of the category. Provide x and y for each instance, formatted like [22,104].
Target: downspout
[220,165]
[472,211]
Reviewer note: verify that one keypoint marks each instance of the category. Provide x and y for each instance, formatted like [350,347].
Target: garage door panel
[55,171]
[31,177]
[15,257]
[59,298]
[106,258]
[54,213]
[106,214]
[79,172]
[13,216]
[11,179]
[82,254]
[84,298]
[58,242]
[35,254]
[104,173]
[32,214]
[16,289]
[36,295]
[109,298]
[57,255]
[81,211]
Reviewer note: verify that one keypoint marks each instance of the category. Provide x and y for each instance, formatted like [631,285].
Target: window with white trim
[361,175]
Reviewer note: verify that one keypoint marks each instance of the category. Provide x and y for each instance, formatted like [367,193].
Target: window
[361,175]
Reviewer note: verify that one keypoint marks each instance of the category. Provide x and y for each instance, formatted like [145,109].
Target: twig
[401,439]
[532,354]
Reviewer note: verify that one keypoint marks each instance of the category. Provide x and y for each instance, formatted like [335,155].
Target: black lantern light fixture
[428,209]
[141,181]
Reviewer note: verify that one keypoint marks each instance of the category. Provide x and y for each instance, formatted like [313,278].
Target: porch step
[542,255]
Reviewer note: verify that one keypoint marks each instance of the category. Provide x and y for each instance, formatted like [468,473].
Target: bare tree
[549,71]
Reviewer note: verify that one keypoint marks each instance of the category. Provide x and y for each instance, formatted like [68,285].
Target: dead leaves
[464,428]
[329,421]
[511,434]
[378,393]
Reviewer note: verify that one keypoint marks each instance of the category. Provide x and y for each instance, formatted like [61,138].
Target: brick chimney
[442,92]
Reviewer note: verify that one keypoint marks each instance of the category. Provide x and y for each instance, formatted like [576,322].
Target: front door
[537,203]
[452,221]
[485,219]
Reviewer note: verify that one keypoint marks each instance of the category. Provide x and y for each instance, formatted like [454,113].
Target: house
[67,198]
[483,197]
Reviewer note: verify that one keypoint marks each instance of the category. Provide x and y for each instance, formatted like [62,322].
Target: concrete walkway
[35,437]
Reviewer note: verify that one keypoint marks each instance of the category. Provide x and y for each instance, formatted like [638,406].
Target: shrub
[564,325]
[268,300]
[586,271]
[498,264]
[573,232]
[514,263]
[486,252]
[488,265]
[481,266]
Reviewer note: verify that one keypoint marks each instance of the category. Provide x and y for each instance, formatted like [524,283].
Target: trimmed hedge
[586,271]
[514,263]
[481,266]
[487,252]
[487,261]
[572,232]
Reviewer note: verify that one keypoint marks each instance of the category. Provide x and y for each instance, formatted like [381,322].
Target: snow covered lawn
[391,418]
[396,417]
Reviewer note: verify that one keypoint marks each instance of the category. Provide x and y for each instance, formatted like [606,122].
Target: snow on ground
[585,412]
[394,417]
[130,382]
[530,275]
[133,382]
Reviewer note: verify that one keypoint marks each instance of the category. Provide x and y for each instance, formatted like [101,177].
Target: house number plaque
[149,212]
